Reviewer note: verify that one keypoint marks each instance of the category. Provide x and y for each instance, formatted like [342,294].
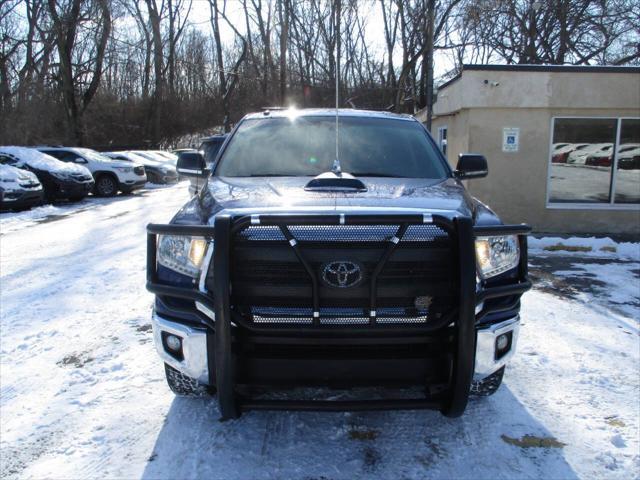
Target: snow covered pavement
[82,392]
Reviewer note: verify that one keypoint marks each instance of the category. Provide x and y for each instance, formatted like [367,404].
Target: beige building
[562,143]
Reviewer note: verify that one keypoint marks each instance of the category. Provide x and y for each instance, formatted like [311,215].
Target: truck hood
[287,194]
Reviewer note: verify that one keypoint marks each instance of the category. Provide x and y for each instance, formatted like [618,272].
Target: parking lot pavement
[82,392]
[11,221]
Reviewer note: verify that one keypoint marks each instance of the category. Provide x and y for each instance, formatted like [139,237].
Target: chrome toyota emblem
[341,274]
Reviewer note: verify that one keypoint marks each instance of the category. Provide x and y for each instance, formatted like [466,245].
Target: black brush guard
[461,232]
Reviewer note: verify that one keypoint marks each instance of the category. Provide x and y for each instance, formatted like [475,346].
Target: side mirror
[79,160]
[471,165]
[192,165]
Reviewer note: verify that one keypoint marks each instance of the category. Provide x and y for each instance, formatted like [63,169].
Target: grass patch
[567,248]
[614,421]
[608,248]
[533,441]
[362,435]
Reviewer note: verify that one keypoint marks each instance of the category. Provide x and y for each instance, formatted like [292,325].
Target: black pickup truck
[317,260]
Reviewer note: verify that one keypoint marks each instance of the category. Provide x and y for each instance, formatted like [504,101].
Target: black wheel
[489,385]
[106,186]
[183,385]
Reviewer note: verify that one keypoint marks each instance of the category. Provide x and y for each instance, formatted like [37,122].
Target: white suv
[110,175]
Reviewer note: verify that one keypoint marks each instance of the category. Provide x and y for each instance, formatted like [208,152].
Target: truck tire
[487,386]
[182,384]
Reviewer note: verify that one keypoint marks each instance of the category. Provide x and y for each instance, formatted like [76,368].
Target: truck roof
[330,112]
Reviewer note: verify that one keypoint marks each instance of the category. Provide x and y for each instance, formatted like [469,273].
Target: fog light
[502,342]
[174,343]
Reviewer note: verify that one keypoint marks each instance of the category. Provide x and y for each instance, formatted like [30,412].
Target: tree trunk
[158,64]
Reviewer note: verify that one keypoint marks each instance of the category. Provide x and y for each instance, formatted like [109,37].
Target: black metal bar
[504,290]
[151,258]
[485,230]
[464,357]
[360,330]
[523,268]
[335,219]
[190,230]
[223,354]
[341,405]
[373,288]
[314,280]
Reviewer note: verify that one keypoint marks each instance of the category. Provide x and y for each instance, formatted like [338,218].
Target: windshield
[211,150]
[305,146]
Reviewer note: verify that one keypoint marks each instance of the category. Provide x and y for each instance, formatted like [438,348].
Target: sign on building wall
[510,139]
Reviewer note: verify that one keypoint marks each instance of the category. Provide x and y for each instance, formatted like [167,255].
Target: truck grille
[271,286]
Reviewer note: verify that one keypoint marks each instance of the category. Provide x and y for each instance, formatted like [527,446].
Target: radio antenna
[337,169]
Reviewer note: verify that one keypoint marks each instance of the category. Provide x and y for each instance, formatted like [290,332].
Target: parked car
[178,151]
[391,275]
[19,189]
[603,157]
[629,156]
[560,151]
[209,147]
[157,172]
[110,175]
[59,180]
[171,157]
[155,156]
[581,153]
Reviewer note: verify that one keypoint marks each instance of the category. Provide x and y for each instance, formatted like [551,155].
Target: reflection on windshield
[305,146]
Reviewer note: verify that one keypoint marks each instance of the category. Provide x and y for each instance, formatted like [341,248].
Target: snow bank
[599,247]
[41,161]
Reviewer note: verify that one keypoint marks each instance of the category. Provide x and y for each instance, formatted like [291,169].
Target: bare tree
[66,24]
[228,80]
[557,31]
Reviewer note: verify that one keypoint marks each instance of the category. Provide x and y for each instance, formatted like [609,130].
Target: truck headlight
[182,254]
[495,255]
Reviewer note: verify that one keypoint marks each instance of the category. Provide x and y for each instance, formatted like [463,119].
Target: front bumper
[130,185]
[26,198]
[195,360]
[67,189]
[479,307]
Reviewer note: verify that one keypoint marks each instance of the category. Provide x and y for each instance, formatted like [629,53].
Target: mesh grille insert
[337,315]
[343,233]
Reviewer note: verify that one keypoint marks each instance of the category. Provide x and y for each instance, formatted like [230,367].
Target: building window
[442,139]
[595,162]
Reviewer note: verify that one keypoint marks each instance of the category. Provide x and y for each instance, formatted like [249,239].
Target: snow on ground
[11,221]
[82,392]
[602,247]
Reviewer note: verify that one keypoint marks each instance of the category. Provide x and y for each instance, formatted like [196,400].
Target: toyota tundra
[335,251]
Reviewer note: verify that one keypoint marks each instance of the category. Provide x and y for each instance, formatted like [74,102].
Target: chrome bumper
[195,362]
[194,348]
[486,362]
